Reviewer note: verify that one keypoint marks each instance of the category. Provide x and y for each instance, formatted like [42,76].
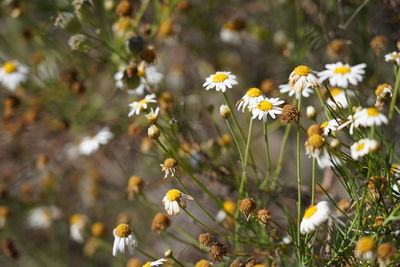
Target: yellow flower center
[76,218]
[302,70]
[360,147]
[315,141]
[134,181]
[123,230]
[140,73]
[147,264]
[365,244]
[220,77]
[264,105]
[324,124]
[342,70]
[336,91]
[173,195]
[229,207]
[310,211]
[10,67]
[123,25]
[373,112]
[254,92]
[380,88]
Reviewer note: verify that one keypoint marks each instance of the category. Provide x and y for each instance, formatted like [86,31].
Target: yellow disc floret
[365,244]
[254,92]
[229,206]
[264,105]
[373,111]
[360,146]
[342,70]
[9,67]
[123,230]
[302,70]
[174,195]
[147,264]
[220,77]
[336,91]
[315,141]
[310,211]
[76,218]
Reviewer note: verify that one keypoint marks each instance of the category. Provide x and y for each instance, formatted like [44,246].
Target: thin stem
[177,262]
[298,182]
[395,93]
[235,140]
[244,172]
[267,154]
[352,17]
[281,156]
[313,180]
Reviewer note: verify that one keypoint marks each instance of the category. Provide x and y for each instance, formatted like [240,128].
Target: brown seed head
[124,8]
[289,114]
[378,44]
[160,222]
[149,54]
[218,251]
[263,216]
[247,206]
[386,251]
[237,263]
[206,239]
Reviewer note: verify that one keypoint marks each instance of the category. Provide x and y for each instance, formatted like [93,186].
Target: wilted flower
[123,240]
[170,167]
[173,199]
[383,94]
[303,77]
[218,251]
[206,239]
[247,206]
[224,111]
[43,217]
[152,116]
[160,222]
[289,114]
[77,226]
[365,248]
[135,185]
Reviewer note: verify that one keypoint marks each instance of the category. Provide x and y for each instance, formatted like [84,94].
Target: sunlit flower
[265,107]
[253,95]
[368,117]
[339,97]
[169,167]
[124,240]
[12,74]
[138,106]
[393,57]
[330,126]
[363,147]
[77,224]
[220,81]
[303,77]
[286,88]
[91,144]
[173,199]
[43,217]
[314,216]
[343,75]
[365,248]
[155,263]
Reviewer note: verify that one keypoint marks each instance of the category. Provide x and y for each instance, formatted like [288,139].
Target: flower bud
[311,112]
[224,111]
[153,132]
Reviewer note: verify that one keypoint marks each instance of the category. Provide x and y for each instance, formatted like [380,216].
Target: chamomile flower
[343,75]
[330,126]
[314,216]
[253,95]
[124,240]
[77,226]
[314,145]
[43,217]
[350,123]
[152,116]
[220,81]
[12,73]
[363,147]
[383,94]
[339,97]
[91,144]
[368,117]
[365,248]
[169,167]
[286,88]
[395,169]
[173,198]
[265,107]
[155,263]
[303,77]
[138,106]
[393,57]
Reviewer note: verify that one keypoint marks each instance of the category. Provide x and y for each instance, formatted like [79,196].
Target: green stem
[244,172]
[313,180]
[298,183]
[235,140]
[268,156]
[395,94]
[281,156]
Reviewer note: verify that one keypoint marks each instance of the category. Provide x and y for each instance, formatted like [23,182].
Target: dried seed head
[203,263]
[153,132]
[378,44]
[263,216]
[386,252]
[311,112]
[314,129]
[98,229]
[289,114]
[218,251]
[224,111]
[237,263]
[247,206]
[206,239]
[149,54]
[344,204]
[336,48]
[124,8]
[160,222]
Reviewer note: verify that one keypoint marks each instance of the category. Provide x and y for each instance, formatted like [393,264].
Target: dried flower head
[160,222]
[365,248]
[263,216]
[237,263]
[218,251]
[314,145]
[206,239]
[383,94]
[379,44]
[153,132]
[247,206]
[203,263]
[124,8]
[97,229]
[224,111]
[385,253]
[135,185]
[289,114]
[170,167]
[149,54]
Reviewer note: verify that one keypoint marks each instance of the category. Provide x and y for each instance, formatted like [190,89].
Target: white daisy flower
[119,77]
[43,217]
[325,160]
[253,95]
[343,75]
[393,57]
[363,147]
[330,126]
[339,97]
[303,77]
[350,122]
[395,169]
[220,81]
[140,105]
[155,263]
[124,240]
[314,216]
[286,88]
[368,117]
[91,144]
[173,198]
[77,226]
[266,106]
[396,187]
[12,73]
